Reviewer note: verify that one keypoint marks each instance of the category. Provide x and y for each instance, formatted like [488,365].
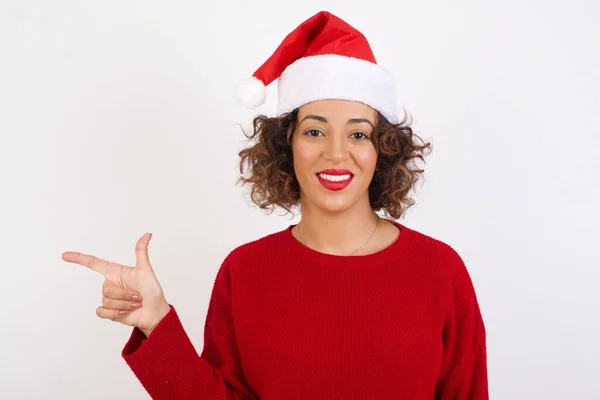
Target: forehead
[340,110]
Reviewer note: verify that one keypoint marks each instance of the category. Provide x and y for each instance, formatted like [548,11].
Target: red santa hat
[323,58]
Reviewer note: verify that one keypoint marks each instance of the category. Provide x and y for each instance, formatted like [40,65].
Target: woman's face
[334,158]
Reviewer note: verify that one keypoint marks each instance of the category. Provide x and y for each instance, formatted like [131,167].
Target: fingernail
[135,297]
[136,305]
[123,312]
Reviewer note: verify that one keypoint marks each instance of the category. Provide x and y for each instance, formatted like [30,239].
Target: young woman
[345,304]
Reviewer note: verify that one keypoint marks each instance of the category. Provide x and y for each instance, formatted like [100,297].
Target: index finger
[92,262]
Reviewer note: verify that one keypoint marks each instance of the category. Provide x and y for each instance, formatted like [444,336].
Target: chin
[336,203]
[335,208]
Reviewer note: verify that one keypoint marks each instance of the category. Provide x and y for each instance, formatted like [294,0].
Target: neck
[337,233]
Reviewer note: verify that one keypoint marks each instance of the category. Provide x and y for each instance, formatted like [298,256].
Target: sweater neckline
[395,249]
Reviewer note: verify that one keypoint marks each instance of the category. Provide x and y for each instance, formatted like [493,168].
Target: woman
[345,304]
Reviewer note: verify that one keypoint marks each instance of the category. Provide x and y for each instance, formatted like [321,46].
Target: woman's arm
[464,369]
[168,366]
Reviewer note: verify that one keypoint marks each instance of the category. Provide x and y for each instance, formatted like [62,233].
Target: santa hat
[323,58]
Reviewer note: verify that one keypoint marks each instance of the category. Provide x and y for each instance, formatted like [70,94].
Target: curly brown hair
[267,165]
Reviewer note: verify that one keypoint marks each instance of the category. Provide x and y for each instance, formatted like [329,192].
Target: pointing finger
[97,264]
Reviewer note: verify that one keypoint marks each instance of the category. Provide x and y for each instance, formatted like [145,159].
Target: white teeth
[335,178]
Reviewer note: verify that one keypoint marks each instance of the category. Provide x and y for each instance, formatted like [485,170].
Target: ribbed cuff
[168,344]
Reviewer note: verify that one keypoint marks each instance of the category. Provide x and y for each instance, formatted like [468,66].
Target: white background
[118,118]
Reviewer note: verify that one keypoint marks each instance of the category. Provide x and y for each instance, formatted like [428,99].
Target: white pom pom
[251,92]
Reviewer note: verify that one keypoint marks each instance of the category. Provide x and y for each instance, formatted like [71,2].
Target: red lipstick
[335,179]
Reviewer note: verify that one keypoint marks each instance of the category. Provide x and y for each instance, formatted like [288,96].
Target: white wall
[117,118]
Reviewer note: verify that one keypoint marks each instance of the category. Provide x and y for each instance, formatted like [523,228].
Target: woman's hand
[130,295]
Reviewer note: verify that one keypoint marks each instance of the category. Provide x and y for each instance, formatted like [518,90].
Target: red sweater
[287,322]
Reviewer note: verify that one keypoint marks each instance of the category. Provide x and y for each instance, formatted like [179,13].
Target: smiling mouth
[335,180]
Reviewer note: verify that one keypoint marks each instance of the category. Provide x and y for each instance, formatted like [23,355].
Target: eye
[313,132]
[359,136]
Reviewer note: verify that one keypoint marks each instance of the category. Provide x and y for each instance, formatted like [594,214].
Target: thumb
[142,260]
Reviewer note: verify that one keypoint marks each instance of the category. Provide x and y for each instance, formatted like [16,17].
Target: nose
[336,148]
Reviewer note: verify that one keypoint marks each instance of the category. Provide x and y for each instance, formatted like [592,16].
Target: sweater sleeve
[464,367]
[168,366]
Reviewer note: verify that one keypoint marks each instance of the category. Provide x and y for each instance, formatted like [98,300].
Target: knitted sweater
[287,322]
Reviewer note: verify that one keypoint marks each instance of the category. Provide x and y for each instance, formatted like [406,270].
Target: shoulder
[249,266]
[441,259]
[432,248]
[255,250]
[441,255]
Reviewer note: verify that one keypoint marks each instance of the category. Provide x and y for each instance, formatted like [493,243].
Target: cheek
[304,156]
[367,159]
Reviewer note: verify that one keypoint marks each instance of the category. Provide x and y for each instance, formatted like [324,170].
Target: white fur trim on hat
[331,76]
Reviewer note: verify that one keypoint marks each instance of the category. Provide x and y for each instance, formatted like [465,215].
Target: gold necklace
[354,252]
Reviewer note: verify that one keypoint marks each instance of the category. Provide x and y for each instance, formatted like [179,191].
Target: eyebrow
[350,121]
